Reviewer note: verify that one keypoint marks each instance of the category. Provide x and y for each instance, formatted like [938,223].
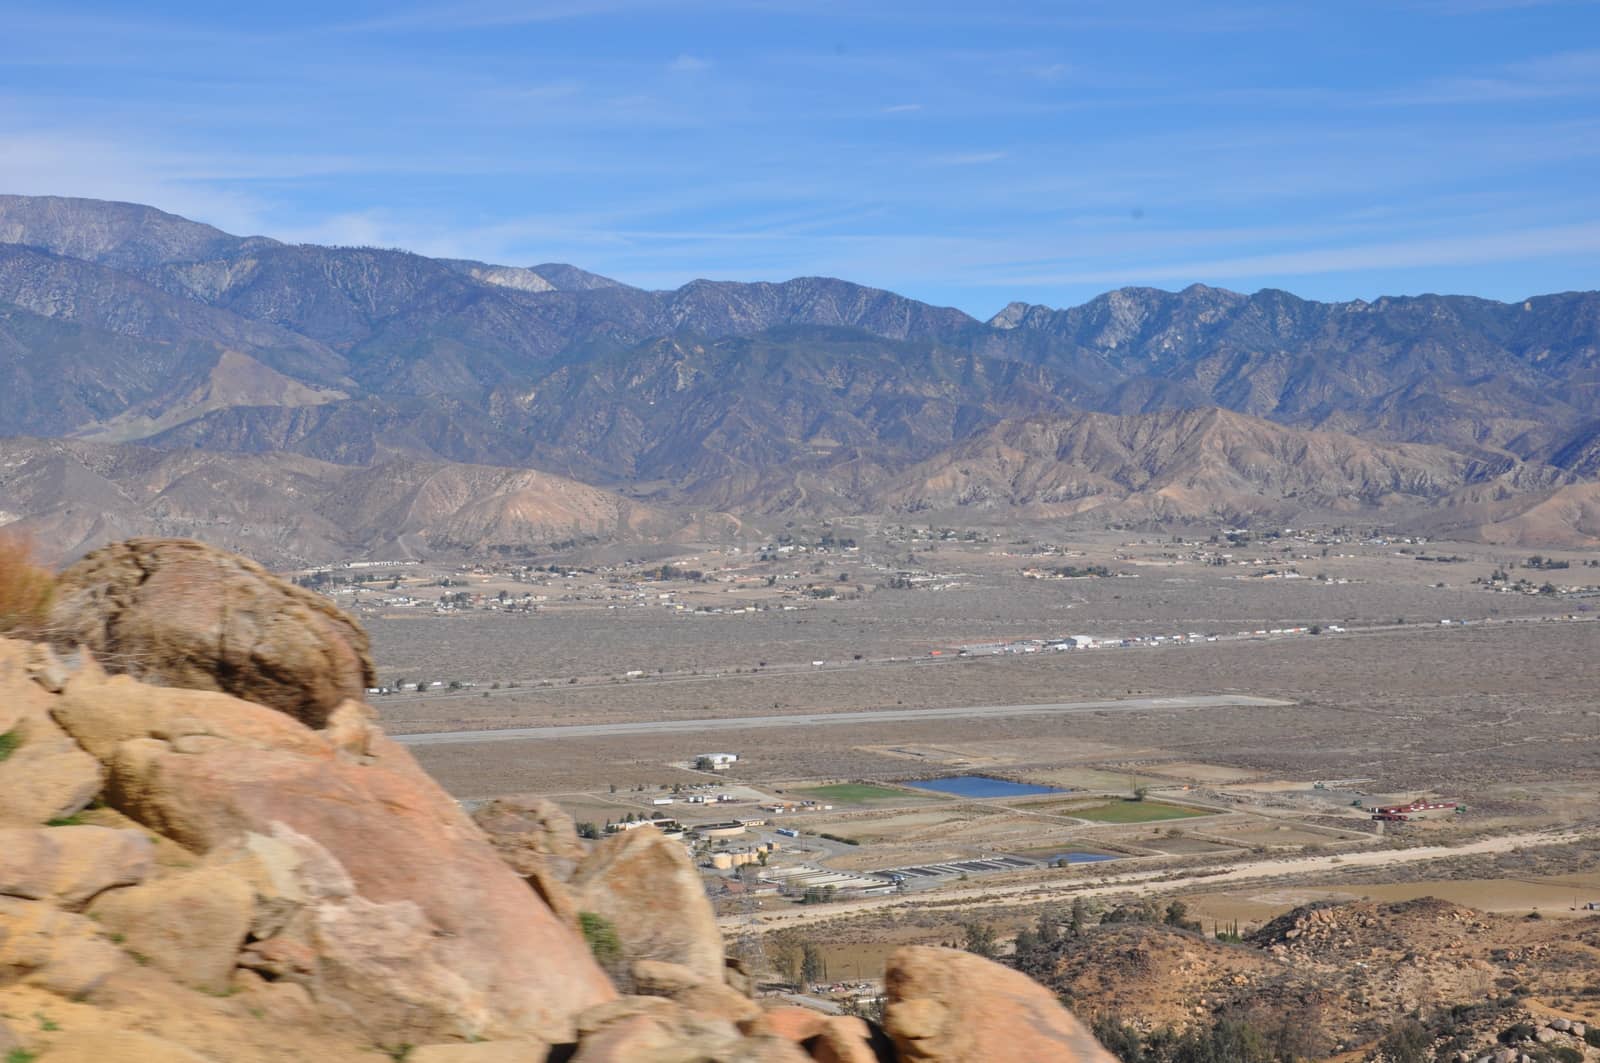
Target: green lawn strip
[852,793]
[1134,812]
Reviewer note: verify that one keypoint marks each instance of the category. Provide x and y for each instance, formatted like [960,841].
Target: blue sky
[965,153]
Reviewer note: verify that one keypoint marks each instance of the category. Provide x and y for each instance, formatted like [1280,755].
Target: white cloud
[687,64]
[902,108]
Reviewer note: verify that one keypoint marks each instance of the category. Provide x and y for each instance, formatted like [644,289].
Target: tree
[1407,1041]
[1177,915]
[788,958]
[980,939]
[1049,927]
[1078,919]
[1027,941]
[812,967]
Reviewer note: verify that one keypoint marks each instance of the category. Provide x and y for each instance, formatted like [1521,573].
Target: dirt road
[744,723]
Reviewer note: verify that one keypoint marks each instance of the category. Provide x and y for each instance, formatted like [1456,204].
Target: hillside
[123,324]
[1330,978]
[75,496]
[1207,463]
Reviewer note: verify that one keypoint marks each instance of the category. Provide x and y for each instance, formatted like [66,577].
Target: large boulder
[117,1046]
[190,925]
[655,1030]
[71,865]
[397,913]
[43,774]
[531,834]
[647,887]
[180,613]
[827,1038]
[952,1006]
[55,950]
[482,1052]
[540,842]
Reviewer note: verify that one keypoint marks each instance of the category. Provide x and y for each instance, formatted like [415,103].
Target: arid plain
[1344,671]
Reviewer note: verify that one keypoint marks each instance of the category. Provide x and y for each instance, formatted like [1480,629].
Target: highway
[824,719]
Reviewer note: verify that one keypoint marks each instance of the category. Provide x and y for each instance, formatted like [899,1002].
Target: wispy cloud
[901,108]
[1574,73]
[1478,7]
[688,64]
[1520,245]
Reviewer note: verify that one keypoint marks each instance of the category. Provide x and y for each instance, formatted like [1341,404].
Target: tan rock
[45,668]
[719,1001]
[955,1007]
[121,1046]
[70,865]
[736,974]
[101,713]
[9,1041]
[844,1039]
[391,906]
[483,1052]
[43,774]
[795,1023]
[655,1030]
[600,1016]
[658,978]
[180,613]
[52,949]
[532,834]
[190,925]
[647,886]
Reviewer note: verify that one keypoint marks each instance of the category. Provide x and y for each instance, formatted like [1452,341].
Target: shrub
[601,935]
[25,588]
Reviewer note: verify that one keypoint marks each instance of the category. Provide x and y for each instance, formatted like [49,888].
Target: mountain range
[302,401]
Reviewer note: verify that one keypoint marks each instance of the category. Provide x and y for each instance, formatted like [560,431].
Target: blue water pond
[981,786]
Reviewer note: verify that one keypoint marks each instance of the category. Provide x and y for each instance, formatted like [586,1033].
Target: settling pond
[981,786]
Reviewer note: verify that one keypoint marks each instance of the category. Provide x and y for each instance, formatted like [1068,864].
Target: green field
[855,793]
[1133,812]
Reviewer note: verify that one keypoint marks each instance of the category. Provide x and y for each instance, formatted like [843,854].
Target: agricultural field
[1126,811]
[863,794]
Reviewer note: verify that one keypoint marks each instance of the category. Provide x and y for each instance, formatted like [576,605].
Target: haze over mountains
[300,401]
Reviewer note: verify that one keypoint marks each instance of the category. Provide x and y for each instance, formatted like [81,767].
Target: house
[715,761]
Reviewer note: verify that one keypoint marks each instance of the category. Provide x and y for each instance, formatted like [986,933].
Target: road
[817,719]
[1158,882]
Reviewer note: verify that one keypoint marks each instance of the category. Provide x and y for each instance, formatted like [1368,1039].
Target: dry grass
[26,588]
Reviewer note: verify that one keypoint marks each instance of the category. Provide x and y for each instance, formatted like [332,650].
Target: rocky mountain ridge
[811,397]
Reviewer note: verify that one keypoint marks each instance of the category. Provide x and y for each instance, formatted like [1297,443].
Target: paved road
[820,719]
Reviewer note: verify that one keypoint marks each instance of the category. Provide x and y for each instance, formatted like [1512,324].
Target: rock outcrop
[180,613]
[410,918]
[647,887]
[44,776]
[957,1008]
[71,865]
